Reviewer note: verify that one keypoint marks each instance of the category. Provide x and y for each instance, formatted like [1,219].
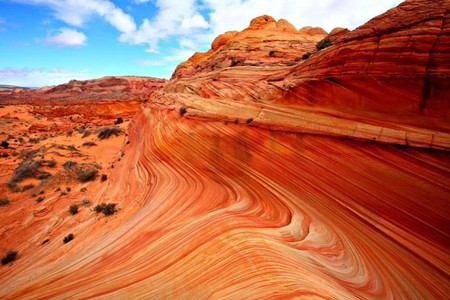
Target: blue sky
[48,42]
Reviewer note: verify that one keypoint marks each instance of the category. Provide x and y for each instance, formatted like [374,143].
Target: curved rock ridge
[250,182]
[391,73]
[396,63]
[222,211]
[266,42]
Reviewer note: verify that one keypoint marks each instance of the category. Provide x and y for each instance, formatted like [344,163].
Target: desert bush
[41,175]
[69,164]
[234,62]
[272,53]
[72,148]
[73,209]
[83,189]
[10,256]
[104,177]
[40,199]
[68,238]
[5,155]
[182,110]
[107,132]
[51,163]
[106,208]
[33,140]
[306,55]
[26,169]
[89,144]
[4,201]
[86,134]
[19,189]
[118,121]
[86,175]
[326,42]
[5,144]
[249,120]
[86,202]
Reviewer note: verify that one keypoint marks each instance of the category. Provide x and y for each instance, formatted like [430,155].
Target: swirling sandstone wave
[210,209]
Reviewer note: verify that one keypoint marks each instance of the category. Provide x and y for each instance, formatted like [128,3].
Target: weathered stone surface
[247,193]
[115,88]
[266,42]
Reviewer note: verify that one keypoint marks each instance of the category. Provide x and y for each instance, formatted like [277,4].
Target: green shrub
[68,238]
[118,121]
[4,201]
[106,208]
[51,163]
[41,175]
[69,164]
[104,177]
[326,42]
[86,202]
[306,55]
[5,144]
[107,132]
[234,62]
[26,169]
[249,120]
[86,134]
[183,110]
[87,175]
[73,209]
[10,256]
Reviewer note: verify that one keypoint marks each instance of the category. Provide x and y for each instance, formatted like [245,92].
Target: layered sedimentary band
[214,210]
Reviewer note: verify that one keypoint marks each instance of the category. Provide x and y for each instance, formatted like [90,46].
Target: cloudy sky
[47,42]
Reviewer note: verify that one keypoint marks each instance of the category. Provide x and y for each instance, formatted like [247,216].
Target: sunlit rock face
[214,210]
[266,42]
[254,192]
[396,63]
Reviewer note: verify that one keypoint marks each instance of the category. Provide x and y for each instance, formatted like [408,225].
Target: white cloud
[174,19]
[38,77]
[67,38]
[120,20]
[236,14]
[76,13]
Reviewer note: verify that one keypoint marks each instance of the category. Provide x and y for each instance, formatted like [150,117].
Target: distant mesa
[110,88]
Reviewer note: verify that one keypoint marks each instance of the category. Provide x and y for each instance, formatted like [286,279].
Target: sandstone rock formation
[247,193]
[385,81]
[266,42]
[102,89]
